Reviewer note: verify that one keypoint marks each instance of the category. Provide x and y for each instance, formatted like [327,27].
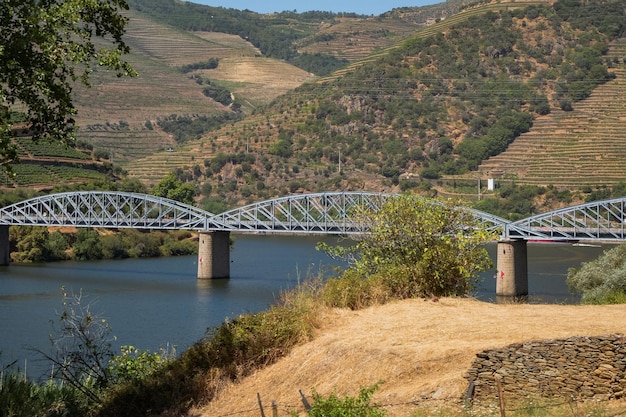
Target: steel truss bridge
[318,213]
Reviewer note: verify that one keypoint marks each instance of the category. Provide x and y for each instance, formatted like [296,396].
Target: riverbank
[419,349]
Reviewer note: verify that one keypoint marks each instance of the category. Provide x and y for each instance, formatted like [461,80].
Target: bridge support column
[214,255]
[512,268]
[5,252]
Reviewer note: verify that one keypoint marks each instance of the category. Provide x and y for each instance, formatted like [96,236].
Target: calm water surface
[153,303]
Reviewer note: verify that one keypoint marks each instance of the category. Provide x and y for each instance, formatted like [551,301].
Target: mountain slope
[586,146]
[158,53]
[433,105]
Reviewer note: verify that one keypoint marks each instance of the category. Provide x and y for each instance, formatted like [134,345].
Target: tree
[88,246]
[419,247]
[46,46]
[174,189]
[30,243]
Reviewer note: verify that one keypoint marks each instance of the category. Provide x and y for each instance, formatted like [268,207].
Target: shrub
[418,247]
[133,365]
[336,406]
[603,280]
[81,348]
[20,397]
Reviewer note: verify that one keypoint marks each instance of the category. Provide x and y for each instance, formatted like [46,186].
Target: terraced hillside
[354,39]
[120,115]
[154,167]
[586,146]
[49,163]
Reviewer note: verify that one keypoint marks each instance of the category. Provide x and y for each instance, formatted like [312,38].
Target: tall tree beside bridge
[415,247]
[45,47]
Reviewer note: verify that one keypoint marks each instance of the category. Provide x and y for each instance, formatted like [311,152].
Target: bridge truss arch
[603,220]
[316,213]
[107,210]
[320,213]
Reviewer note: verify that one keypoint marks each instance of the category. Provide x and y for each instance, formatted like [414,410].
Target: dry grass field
[418,349]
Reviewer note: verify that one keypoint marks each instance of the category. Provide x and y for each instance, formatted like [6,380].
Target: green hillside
[426,98]
[413,115]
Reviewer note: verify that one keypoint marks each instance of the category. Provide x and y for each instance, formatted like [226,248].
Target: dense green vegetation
[416,247]
[274,35]
[516,202]
[603,280]
[210,64]
[186,127]
[38,80]
[30,244]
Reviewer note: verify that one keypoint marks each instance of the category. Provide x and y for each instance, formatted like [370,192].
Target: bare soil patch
[419,349]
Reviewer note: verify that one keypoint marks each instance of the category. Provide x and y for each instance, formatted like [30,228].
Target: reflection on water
[151,303]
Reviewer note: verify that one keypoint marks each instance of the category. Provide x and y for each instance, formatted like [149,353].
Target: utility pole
[339,160]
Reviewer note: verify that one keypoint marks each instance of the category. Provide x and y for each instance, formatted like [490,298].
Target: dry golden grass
[419,349]
[258,80]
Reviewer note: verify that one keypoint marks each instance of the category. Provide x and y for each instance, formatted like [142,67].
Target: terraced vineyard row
[41,174]
[176,47]
[46,164]
[586,146]
[355,40]
[50,149]
[129,144]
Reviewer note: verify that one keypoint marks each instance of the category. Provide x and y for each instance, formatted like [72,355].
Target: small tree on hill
[419,247]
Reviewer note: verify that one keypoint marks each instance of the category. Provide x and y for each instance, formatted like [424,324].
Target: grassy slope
[419,349]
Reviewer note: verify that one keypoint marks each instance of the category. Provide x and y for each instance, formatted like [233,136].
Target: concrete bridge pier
[512,268]
[214,255]
[4,246]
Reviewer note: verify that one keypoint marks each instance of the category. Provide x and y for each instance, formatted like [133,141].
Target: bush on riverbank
[228,353]
[603,280]
[20,397]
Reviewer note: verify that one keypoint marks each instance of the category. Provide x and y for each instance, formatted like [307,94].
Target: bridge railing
[327,213]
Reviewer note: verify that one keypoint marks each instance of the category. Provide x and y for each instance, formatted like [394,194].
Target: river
[155,303]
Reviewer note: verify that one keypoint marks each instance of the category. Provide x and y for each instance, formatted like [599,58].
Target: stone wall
[572,368]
